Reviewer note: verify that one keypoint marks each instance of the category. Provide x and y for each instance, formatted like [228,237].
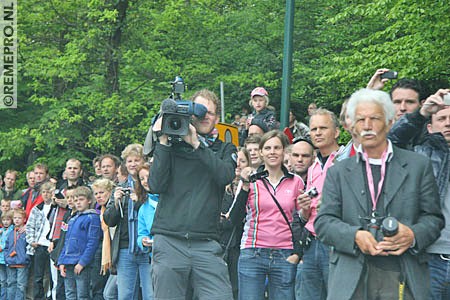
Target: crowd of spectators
[204,220]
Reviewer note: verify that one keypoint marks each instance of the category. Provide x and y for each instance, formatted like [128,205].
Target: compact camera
[312,192]
[446,99]
[127,191]
[389,75]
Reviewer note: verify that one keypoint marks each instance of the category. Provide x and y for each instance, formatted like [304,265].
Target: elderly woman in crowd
[132,264]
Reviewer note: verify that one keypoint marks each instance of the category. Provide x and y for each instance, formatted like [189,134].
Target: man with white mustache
[373,256]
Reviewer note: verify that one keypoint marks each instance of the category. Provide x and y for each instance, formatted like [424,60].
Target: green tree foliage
[92,73]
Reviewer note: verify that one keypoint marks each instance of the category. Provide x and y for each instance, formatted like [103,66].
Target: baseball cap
[259,91]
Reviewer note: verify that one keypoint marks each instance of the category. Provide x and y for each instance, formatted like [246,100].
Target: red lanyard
[370,178]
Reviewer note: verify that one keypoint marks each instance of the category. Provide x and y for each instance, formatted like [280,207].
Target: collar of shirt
[375,161]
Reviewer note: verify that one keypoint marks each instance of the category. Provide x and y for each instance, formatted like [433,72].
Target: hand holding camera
[245,177]
[304,201]
[436,102]
[387,236]
[191,138]
[399,243]
[119,193]
[380,77]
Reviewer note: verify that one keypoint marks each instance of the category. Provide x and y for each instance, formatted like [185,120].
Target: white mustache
[368,132]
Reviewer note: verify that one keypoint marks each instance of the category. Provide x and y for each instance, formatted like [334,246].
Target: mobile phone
[389,75]
[446,99]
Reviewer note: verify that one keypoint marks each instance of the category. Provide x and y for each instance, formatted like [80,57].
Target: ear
[430,130]
[336,134]
[389,125]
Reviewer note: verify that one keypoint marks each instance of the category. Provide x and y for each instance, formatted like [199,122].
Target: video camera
[176,112]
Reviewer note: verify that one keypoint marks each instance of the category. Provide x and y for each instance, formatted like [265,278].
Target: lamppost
[287,63]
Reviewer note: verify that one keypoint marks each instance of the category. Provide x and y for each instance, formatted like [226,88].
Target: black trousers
[41,267]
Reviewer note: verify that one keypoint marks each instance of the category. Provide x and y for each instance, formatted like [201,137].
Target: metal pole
[287,63]
[222,103]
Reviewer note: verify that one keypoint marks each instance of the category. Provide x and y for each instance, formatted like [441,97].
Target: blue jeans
[255,264]
[76,286]
[132,271]
[3,284]
[440,277]
[17,283]
[314,277]
[110,290]
[298,278]
[97,281]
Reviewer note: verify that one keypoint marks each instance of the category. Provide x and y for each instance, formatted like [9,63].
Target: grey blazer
[410,194]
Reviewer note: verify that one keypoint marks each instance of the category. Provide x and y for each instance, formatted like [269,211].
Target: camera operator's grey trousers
[183,265]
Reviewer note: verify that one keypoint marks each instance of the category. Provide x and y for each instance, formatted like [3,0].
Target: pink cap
[259,91]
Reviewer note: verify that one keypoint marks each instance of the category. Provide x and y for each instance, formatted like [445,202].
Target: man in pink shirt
[324,130]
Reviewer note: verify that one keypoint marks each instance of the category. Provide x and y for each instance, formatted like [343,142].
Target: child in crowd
[38,228]
[262,113]
[147,210]
[80,243]
[16,258]
[7,218]
[5,205]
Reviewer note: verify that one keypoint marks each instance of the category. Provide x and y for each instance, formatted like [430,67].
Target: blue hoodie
[82,239]
[4,232]
[145,219]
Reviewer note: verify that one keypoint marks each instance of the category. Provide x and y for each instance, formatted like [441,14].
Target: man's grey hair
[326,112]
[371,96]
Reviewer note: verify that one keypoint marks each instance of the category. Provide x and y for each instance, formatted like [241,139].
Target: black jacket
[191,184]
[408,130]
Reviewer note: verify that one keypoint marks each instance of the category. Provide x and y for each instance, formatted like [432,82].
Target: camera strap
[280,208]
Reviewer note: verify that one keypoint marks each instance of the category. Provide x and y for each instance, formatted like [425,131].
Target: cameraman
[190,177]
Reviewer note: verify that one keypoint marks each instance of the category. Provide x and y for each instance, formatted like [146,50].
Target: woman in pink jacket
[266,245]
